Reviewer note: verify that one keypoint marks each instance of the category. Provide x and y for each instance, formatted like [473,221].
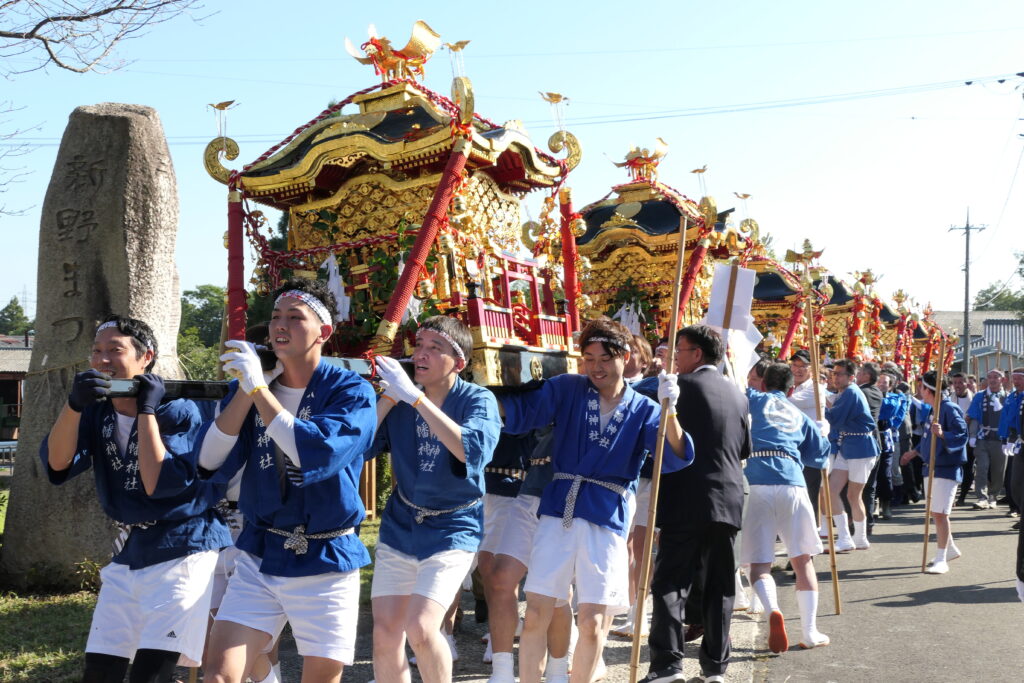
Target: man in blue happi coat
[852,434]
[440,437]
[300,432]
[156,590]
[784,442]
[604,431]
[949,432]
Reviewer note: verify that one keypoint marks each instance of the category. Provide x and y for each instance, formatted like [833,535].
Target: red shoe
[778,641]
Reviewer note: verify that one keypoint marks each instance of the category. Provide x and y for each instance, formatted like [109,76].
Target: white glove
[972,442]
[242,363]
[1020,590]
[668,388]
[396,382]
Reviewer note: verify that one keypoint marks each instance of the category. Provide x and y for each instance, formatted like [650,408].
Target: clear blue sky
[874,180]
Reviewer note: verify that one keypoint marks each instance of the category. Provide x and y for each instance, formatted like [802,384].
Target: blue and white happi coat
[437,502]
[851,427]
[178,519]
[584,454]
[783,441]
[334,426]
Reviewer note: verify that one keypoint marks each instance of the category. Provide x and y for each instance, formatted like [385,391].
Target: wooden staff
[659,451]
[812,347]
[936,404]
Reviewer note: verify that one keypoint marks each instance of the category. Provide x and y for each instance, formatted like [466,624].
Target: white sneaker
[937,568]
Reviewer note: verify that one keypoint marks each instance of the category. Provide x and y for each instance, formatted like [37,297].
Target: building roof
[954,320]
[14,359]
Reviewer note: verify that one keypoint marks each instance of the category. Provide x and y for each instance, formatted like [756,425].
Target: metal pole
[966,365]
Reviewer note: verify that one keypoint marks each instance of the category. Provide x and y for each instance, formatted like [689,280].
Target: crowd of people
[240,516]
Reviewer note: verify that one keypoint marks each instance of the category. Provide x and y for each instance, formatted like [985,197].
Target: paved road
[898,625]
[901,625]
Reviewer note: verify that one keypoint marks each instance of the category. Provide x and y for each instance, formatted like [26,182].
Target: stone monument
[106,245]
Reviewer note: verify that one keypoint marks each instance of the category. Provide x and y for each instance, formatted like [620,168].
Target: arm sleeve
[82,459]
[215,447]
[532,409]
[341,432]
[179,423]
[974,410]
[954,429]
[481,427]
[282,430]
[815,448]
[670,462]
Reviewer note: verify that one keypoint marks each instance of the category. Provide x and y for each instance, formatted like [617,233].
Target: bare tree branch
[78,40]
[75,35]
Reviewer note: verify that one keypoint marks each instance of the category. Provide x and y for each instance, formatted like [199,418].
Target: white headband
[447,338]
[606,340]
[1017,374]
[314,304]
[113,323]
[927,386]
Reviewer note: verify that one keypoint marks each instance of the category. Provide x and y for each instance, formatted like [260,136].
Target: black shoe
[693,632]
[1016,526]
[480,611]
[664,676]
[1003,501]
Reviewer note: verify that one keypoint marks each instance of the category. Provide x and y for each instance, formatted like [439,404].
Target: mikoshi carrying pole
[659,452]
[936,405]
[812,348]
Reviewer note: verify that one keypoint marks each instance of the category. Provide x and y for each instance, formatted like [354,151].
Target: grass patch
[368,534]
[43,636]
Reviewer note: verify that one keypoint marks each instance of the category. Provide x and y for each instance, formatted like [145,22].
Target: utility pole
[966,336]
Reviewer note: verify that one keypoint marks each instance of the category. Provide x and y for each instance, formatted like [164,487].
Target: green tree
[13,319]
[198,360]
[202,309]
[998,296]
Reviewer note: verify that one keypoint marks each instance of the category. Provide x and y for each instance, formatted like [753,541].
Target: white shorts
[322,609]
[225,568]
[643,504]
[438,577]
[161,607]
[509,524]
[595,558]
[943,495]
[778,510]
[859,469]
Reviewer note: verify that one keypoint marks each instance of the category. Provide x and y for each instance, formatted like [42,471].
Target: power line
[967,227]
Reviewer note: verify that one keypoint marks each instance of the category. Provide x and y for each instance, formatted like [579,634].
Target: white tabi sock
[940,554]
[557,666]
[823,525]
[842,528]
[502,665]
[808,602]
[765,589]
[860,531]
[742,601]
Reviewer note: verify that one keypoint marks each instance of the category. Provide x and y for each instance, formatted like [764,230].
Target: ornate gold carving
[563,139]
[642,164]
[211,158]
[536,368]
[462,95]
[349,124]
[709,210]
[393,64]
[617,220]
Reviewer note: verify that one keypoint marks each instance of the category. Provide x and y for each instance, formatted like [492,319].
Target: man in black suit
[700,511]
